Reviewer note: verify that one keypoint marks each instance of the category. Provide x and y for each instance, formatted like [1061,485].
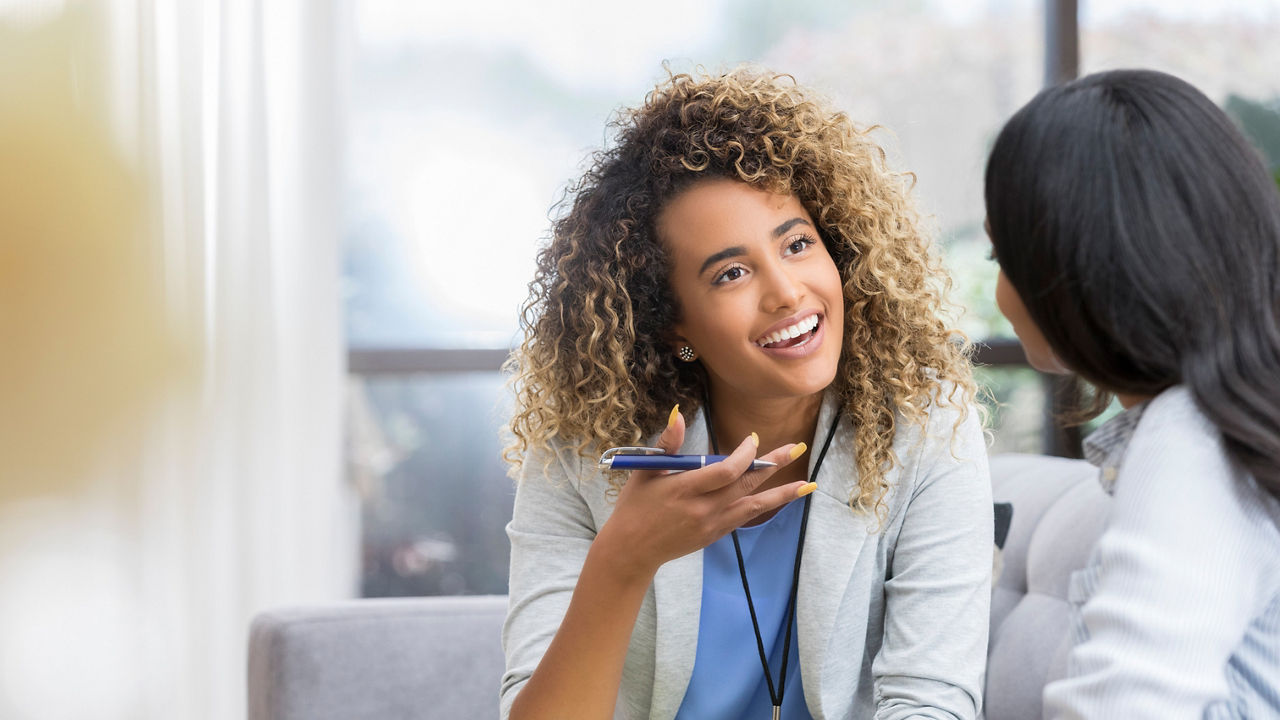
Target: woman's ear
[675,341]
[673,337]
[680,346]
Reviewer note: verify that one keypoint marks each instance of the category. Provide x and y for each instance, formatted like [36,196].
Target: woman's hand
[660,516]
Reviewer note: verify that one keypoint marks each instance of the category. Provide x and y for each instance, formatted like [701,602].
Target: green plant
[1260,122]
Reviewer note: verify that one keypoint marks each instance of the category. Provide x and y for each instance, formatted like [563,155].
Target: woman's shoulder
[553,462]
[1180,503]
[1177,456]
[557,484]
[1174,438]
[943,443]
[949,419]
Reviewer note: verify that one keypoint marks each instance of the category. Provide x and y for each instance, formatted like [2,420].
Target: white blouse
[1177,614]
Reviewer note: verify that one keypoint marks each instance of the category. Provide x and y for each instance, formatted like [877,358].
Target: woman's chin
[810,383]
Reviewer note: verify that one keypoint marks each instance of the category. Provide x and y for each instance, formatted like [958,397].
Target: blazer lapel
[833,542]
[677,590]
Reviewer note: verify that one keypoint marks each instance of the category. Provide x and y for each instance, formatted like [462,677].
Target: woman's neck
[778,421]
[1128,400]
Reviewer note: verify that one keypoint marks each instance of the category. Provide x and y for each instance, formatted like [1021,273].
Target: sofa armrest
[1059,511]
[392,659]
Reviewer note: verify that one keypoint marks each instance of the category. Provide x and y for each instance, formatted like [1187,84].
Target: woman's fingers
[665,515]
[785,455]
[744,508]
[670,440]
[726,472]
[734,482]
[672,436]
[782,456]
[740,504]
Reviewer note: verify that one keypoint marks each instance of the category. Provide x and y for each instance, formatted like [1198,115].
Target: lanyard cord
[775,695]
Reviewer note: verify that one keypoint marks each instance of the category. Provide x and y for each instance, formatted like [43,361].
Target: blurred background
[260,263]
[466,121]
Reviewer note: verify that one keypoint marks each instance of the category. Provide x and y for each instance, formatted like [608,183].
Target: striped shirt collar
[1105,446]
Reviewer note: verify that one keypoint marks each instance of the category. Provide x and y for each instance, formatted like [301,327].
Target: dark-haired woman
[1138,238]
[739,271]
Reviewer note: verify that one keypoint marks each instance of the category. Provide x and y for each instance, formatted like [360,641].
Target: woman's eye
[730,274]
[798,245]
[991,255]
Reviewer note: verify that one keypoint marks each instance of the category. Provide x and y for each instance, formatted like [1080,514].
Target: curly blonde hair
[596,368]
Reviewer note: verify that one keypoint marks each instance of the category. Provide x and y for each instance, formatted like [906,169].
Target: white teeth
[788,333]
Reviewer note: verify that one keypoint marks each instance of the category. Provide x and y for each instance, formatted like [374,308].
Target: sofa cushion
[1059,511]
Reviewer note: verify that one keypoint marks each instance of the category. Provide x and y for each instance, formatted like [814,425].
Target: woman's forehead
[724,214]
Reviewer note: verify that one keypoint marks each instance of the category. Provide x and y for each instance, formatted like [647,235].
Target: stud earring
[686,353]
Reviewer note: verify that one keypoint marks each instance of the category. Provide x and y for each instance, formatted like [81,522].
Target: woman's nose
[783,288]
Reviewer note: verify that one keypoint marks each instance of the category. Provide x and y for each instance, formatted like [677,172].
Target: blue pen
[647,458]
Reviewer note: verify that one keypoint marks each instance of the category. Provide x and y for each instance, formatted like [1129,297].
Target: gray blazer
[892,619]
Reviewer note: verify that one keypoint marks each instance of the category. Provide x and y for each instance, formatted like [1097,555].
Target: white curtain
[230,498]
[244,500]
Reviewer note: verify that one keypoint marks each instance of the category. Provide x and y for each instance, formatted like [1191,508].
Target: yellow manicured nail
[671,419]
[755,439]
[798,450]
[806,488]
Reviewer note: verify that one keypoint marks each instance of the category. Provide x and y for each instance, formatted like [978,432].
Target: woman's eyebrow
[725,254]
[778,231]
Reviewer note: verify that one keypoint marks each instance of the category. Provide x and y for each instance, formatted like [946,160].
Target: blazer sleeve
[932,661]
[550,531]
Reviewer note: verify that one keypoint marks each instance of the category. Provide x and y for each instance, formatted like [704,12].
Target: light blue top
[728,681]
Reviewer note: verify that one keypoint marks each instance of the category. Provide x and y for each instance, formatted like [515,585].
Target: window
[466,122]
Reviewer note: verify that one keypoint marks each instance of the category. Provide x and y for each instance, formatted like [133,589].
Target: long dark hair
[1142,232]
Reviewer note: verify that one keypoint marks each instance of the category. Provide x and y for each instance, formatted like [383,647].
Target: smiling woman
[742,252]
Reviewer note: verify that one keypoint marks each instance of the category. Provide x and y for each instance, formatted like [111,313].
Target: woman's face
[760,298]
[1039,355]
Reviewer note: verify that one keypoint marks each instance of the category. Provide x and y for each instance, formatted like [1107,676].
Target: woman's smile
[795,338]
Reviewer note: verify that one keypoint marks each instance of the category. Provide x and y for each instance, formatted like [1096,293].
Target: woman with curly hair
[741,253]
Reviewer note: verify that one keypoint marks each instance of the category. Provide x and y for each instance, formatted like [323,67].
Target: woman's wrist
[619,559]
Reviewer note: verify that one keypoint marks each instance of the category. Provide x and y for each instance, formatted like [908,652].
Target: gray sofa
[414,659]
[1059,510]
[395,659]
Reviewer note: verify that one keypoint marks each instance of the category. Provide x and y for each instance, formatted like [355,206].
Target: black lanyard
[775,694]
